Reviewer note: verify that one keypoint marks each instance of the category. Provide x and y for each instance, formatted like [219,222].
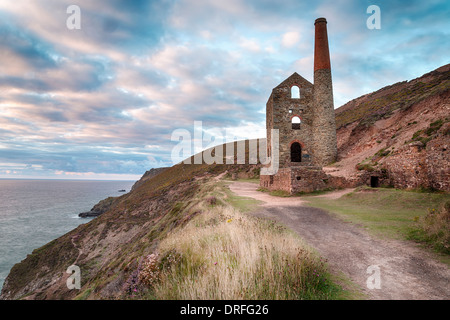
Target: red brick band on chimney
[321,50]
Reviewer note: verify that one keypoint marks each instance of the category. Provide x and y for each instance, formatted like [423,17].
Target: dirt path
[405,271]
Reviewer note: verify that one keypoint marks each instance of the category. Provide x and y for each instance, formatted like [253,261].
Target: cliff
[148,175]
[398,134]
[108,248]
[99,208]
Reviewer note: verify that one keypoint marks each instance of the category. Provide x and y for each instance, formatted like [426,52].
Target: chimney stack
[321,50]
[324,123]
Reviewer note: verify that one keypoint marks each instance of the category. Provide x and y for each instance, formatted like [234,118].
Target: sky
[105,101]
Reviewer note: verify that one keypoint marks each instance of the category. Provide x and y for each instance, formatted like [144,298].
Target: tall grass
[226,254]
[434,228]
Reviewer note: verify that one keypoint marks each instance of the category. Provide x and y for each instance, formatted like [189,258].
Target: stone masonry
[324,128]
[306,125]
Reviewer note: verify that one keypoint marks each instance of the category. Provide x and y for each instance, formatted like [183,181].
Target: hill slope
[108,247]
[400,133]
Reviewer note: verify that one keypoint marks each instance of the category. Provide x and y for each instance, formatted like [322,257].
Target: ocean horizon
[34,212]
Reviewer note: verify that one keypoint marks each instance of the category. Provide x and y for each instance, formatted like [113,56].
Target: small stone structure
[303,114]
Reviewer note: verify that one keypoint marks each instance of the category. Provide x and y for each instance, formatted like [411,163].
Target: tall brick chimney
[324,124]
[321,50]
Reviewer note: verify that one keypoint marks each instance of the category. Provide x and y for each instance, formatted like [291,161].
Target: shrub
[434,228]
[212,201]
[131,286]
[365,166]
[434,126]
[382,152]
[150,272]
[416,135]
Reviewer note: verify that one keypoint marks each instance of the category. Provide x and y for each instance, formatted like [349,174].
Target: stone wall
[279,181]
[316,134]
[303,179]
[308,179]
[406,167]
[280,110]
[324,125]
[414,166]
[437,160]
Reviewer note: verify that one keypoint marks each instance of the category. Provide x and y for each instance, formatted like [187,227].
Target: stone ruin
[304,115]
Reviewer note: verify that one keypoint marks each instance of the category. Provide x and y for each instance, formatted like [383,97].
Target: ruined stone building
[304,115]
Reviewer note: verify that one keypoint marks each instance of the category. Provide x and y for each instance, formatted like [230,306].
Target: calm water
[34,212]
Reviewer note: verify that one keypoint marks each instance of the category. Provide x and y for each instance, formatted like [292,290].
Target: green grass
[279,193]
[383,211]
[427,134]
[275,193]
[251,180]
[244,204]
[84,295]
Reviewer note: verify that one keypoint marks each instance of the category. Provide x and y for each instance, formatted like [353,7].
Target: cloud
[88,102]
[290,39]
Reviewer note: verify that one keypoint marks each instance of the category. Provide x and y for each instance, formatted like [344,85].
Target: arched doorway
[296,152]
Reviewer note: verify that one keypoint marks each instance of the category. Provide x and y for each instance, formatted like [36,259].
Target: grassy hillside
[180,234]
[223,253]
[382,103]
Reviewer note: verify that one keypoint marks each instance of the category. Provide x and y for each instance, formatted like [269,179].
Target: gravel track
[406,272]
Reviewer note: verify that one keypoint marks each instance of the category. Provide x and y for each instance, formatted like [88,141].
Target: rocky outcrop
[438,160]
[148,175]
[106,204]
[422,165]
[100,208]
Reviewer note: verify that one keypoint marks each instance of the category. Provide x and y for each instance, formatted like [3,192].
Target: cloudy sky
[102,102]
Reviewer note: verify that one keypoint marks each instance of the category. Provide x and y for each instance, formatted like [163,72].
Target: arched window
[296,122]
[295,92]
[296,152]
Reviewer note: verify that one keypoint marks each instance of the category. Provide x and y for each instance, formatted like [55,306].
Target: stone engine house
[304,115]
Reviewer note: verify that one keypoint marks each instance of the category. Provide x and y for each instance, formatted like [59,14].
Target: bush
[434,228]
[212,201]
[434,126]
[366,166]
[150,273]
[382,152]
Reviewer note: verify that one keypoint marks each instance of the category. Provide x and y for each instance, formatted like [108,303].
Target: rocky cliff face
[101,207]
[398,134]
[148,175]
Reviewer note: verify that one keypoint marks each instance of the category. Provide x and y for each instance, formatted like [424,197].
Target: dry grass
[434,228]
[226,254]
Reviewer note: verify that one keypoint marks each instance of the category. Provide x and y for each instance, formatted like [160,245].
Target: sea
[35,212]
